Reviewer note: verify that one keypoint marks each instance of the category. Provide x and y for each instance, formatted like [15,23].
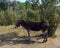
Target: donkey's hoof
[44,41]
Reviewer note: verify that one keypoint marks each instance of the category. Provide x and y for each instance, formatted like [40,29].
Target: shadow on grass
[13,38]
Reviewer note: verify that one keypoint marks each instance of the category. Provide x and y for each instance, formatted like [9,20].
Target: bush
[33,15]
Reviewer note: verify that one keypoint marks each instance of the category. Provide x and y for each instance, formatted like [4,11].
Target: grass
[7,32]
[15,38]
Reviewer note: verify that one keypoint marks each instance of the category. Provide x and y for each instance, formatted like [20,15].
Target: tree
[48,12]
[27,4]
[35,4]
[32,4]
[32,9]
[4,4]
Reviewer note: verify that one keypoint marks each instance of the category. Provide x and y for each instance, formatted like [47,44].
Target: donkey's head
[18,23]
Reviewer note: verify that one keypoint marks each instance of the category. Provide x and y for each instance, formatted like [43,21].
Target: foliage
[48,12]
[33,15]
[3,6]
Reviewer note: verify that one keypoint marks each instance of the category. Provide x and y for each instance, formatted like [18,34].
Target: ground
[16,38]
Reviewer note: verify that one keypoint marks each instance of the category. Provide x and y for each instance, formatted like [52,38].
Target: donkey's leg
[28,34]
[45,35]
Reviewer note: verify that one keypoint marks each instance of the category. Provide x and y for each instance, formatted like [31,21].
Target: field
[17,38]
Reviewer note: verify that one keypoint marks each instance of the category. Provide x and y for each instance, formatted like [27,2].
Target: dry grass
[20,31]
[16,38]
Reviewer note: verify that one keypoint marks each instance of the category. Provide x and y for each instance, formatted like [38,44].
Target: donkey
[35,26]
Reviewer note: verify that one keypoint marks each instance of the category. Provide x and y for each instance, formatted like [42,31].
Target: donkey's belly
[35,29]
